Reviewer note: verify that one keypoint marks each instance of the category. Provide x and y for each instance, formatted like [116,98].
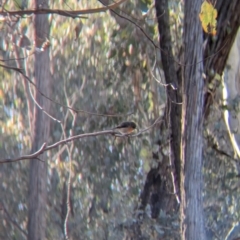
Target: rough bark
[41,123]
[173,88]
[192,125]
[218,48]
[215,53]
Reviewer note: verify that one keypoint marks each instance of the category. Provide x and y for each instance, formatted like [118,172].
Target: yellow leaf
[208,17]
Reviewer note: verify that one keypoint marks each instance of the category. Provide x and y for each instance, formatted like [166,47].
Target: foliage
[102,64]
[208,17]
[98,71]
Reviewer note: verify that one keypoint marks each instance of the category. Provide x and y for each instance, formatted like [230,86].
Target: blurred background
[107,70]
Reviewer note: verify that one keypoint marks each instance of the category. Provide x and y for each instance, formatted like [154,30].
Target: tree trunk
[215,55]
[41,123]
[217,49]
[173,88]
[192,125]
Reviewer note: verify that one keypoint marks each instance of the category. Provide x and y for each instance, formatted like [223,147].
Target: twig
[39,106]
[62,105]
[73,14]
[158,120]
[155,45]
[224,153]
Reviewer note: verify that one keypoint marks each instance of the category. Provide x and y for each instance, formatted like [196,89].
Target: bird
[126,127]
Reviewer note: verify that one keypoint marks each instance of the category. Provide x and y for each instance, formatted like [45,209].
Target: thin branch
[158,120]
[64,141]
[135,24]
[225,154]
[65,225]
[25,157]
[69,150]
[230,230]
[39,106]
[155,45]
[73,14]
[62,105]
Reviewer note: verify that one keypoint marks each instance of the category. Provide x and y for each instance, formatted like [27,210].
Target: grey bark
[215,55]
[192,125]
[217,49]
[173,88]
[40,128]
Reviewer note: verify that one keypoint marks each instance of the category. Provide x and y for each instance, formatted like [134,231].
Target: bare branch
[64,141]
[44,148]
[158,120]
[73,14]
[25,157]
[62,105]
[39,106]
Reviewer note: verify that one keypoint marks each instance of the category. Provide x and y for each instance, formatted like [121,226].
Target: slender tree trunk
[41,123]
[192,125]
[173,89]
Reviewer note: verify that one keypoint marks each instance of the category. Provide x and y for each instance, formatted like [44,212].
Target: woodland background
[89,75]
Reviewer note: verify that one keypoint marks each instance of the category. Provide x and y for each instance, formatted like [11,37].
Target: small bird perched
[126,127]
